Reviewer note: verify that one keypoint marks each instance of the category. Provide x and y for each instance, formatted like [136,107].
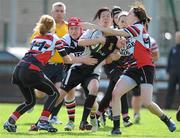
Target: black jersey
[100,55]
[78,73]
[126,60]
[71,47]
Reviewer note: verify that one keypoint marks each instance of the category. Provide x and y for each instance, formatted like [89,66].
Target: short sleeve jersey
[142,47]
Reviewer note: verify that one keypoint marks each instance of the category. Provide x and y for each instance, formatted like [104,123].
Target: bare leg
[146,93]
[136,103]
[124,85]
[62,95]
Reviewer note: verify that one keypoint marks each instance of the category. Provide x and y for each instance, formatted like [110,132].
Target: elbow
[155,56]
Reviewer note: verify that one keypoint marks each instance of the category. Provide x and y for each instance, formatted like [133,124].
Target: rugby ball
[96,34]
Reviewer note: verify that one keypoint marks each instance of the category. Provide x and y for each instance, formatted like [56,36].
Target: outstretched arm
[107,31]
[89,42]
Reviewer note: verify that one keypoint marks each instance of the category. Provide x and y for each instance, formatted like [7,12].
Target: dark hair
[116,10]
[147,27]
[140,13]
[98,13]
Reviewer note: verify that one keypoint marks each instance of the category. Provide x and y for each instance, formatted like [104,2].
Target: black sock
[164,118]
[87,106]
[116,122]
[56,110]
[126,119]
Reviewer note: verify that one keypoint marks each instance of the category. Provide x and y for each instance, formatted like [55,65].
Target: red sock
[45,115]
[14,117]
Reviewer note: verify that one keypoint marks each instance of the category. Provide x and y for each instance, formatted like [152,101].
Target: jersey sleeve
[133,30]
[154,45]
[87,34]
[60,47]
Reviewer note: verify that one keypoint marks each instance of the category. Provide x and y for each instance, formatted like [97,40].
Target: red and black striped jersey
[154,45]
[43,47]
[142,49]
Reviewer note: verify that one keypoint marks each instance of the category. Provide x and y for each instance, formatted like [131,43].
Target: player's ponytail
[140,13]
[46,24]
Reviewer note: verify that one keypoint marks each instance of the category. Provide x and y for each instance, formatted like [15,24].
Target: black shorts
[141,75]
[115,74]
[74,77]
[55,72]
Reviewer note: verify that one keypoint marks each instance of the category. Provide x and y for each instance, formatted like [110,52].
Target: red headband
[74,21]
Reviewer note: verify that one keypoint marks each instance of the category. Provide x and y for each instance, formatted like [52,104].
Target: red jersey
[141,49]
[43,47]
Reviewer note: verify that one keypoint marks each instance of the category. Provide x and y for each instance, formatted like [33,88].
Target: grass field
[150,126]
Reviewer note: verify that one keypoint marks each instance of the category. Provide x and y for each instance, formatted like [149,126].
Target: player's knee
[93,91]
[115,94]
[70,96]
[39,94]
[148,104]
[62,92]
[93,88]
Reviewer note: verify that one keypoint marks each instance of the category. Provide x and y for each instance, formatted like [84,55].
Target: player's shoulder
[54,36]
[138,27]
[67,39]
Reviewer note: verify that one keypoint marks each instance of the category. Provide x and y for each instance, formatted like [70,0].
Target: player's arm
[88,60]
[69,58]
[116,53]
[113,56]
[89,42]
[155,51]
[155,55]
[107,31]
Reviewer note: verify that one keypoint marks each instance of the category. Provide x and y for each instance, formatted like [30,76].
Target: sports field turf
[150,126]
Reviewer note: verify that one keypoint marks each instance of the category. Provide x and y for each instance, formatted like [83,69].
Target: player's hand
[121,42]
[115,56]
[71,55]
[88,60]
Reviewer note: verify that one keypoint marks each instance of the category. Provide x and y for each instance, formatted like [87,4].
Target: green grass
[150,126]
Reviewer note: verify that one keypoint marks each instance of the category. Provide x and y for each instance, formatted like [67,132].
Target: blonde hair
[45,24]
[58,4]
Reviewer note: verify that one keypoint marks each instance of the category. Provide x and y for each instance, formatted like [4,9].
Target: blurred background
[18,18]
